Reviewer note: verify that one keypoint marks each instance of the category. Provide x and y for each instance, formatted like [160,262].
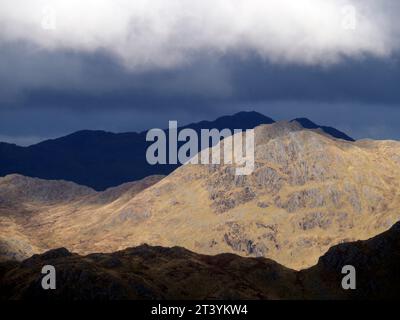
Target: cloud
[151,34]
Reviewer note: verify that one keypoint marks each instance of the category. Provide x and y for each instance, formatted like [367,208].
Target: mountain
[148,272]
[309,191]
[99,159]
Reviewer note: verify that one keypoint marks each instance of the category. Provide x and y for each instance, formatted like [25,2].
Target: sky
[130,65]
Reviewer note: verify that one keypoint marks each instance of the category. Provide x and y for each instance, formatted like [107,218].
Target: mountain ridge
[308,124]
[101,159]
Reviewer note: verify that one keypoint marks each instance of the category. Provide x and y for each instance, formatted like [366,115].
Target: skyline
[182,125]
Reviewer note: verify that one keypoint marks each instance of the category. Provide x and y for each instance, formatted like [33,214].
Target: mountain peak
[241,120]
[250,116]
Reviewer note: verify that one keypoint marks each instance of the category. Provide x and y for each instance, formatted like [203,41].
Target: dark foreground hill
[148,272]
[100,159]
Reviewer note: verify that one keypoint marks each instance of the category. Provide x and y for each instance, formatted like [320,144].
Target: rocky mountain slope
[309,191]
[175,273]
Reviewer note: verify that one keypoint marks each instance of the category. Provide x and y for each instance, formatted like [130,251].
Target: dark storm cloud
[76,81]
[46,94]
[364,80]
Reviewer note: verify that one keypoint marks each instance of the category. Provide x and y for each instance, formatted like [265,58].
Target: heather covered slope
[175,273]
[308,192]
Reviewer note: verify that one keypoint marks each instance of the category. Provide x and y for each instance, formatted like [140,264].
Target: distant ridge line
[101,159]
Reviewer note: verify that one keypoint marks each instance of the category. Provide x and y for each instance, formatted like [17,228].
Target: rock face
[308,192]
[148,272]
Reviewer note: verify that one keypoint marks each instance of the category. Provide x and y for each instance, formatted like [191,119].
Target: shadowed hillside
[175,273]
